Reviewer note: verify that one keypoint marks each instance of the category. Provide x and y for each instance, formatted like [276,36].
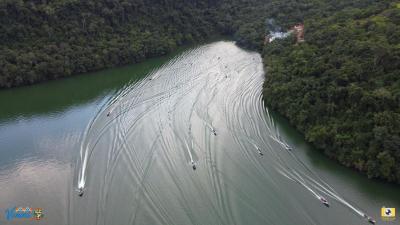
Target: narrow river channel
[183,139]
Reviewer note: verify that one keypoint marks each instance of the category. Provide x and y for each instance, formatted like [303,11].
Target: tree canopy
[341,88]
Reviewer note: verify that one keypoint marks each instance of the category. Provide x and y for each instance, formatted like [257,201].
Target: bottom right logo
[388,214]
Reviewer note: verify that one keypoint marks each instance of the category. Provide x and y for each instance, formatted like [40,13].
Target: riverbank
[139,158]
[64,38]
[317,101]
[340,88]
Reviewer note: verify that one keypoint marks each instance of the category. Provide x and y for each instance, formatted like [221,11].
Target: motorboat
[371,220]
[324,201]
[193,165]
[288,147]
[80,192]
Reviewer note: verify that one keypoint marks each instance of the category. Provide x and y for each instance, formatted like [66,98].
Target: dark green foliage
[342,87]
[42,40]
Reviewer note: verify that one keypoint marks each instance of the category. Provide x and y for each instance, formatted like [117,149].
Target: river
[181,139]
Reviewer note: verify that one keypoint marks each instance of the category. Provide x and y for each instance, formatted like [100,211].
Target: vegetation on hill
[342,87]
[42,40]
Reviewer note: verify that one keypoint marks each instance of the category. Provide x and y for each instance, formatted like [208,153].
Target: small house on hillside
[298,30]
[268,39]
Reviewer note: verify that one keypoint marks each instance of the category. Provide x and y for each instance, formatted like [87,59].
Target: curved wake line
[148,131]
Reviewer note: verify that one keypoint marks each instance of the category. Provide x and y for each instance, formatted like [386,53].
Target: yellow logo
[388,213]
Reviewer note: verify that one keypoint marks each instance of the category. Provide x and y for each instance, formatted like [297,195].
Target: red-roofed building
[298,29]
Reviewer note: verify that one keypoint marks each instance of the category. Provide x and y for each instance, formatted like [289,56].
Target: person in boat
[371,220]
[194,166]
[324,201]
[80,191]
[288,147]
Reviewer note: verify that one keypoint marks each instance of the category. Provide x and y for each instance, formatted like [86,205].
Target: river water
[130,138]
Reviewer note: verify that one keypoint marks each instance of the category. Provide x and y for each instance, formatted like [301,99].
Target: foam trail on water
[210,127]
[338,198]
[301,181]
[322,189]
[161,123]
[286,146]
[190,153]
[82,177]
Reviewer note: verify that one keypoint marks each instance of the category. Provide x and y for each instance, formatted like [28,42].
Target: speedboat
[324,201]
[80,192]
[371,220]
[193,165]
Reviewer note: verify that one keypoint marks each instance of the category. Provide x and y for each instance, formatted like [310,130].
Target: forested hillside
[44,40]
[341,88]
[41,40]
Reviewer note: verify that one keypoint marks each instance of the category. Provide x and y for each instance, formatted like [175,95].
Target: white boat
[80,191]
[324,201]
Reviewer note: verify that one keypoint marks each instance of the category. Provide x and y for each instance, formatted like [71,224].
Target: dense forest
[42,40]
[47,39]
[341,88]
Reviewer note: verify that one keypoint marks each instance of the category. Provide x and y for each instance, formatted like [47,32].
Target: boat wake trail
[193,143]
